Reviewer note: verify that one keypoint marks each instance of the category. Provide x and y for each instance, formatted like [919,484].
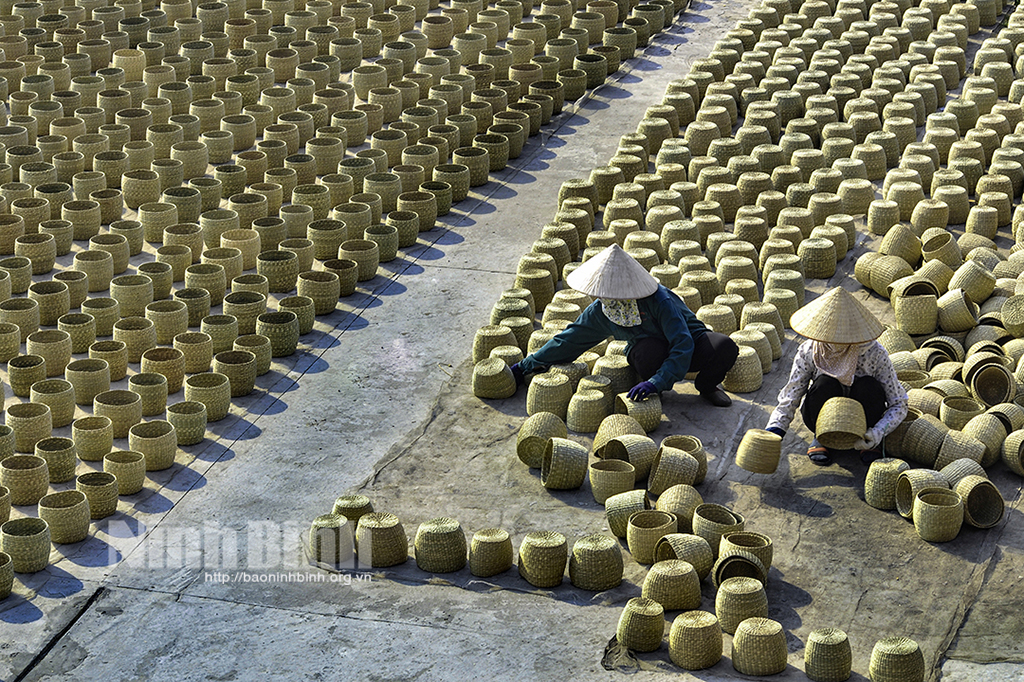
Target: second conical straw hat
[613,274]
[836,317]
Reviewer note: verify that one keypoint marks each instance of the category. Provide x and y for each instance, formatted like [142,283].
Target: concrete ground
[202,576]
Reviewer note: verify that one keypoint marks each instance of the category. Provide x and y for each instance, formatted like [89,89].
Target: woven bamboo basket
[840,423]
[54,346]
[983,504]
[549,392]
[641,625]
[93,437]
[956,411]
[880,483]
[596,563]
[644,530]
[737,600]
[827,655]
[910,483]
[53,298]
[67,515]
[59,395]
[587,409]
[542,558]
[638,450]
[168,362]
[896,659]
[152,390]
[492,379]
[759,647]
[331,540]
[5,504]
[381,541]
[490,552]
[30,422]
[564,466]
[673,584]
[26,477]
[712,521]
[680,500]
[692,446]
[128,467]
[732,563]
[757,544]
[619,508]
[258,345]
[611,477]
[759,451]
[695,640]
[240,368]
[156,440]
[27,542]
[938,515]
[6,574]
[671,467]
[60,456]
[534,434]
[440,546]
[646,412]
[123,408]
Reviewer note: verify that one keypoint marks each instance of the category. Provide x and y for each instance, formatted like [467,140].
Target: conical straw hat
[836,317]
[613,274]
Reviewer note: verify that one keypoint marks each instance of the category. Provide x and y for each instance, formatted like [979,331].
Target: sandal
[819,455]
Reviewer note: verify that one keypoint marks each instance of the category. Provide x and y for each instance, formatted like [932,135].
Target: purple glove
[781,433]
[641,390]
[517,372]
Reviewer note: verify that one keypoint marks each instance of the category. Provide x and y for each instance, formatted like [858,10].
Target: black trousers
[865,390]
[714,355]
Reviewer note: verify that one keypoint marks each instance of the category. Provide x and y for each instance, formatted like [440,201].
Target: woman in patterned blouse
[840,358]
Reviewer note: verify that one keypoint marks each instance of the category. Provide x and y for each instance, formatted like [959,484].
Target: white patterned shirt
[874,362]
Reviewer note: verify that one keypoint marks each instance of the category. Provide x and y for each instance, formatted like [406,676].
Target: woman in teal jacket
[665,340]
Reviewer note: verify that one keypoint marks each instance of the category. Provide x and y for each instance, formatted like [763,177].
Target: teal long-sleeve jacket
[662,315]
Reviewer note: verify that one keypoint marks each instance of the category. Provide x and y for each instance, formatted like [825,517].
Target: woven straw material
[673,584]
[6,574]
[26,477]
[610,477]
[640,451]
[1013,452]
[680,500]
[587,409]
[619,508]
[1010,415]
[896,659]
[691,548]
[827,655]
[129,468]
[534,436]
[983,503]
[564,466]
[61,457]
[840,423]
[549,392]
[957,313]
[756,544]
[738,599]
[993,384]
[381,541]
[746,375]
[67,514]
[958,445]
[836,317]
[5,504]
[712,521]
[542,558]
[646,412]
[641,625]
[759,647]
[156,440]
[100,489]
[916,314]
[759,451]
[493,379]
[644,530]
[27,542]
[910,483]
[956,411]
[880,482]
[330,540]
[31,422]
[596,563]
[490,552]
[352,507]
[440,546]
[959,469]
[671,467]
[692,446]
[695,640]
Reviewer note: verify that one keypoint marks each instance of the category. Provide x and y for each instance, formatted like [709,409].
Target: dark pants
[714,355]
[865,390]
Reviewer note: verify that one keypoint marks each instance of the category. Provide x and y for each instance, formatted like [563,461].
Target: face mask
[624,313]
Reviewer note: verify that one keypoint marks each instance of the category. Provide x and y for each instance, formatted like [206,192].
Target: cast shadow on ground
[53,583]
[178,478]
[93,553]
[16,610]
[216,453]
[152,502]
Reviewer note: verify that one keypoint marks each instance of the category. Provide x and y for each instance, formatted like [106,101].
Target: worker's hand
[870,441]
[641,390]
[517,372]
[781,433]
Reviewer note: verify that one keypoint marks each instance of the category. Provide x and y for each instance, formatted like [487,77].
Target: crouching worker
[841,358]
[665,339]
